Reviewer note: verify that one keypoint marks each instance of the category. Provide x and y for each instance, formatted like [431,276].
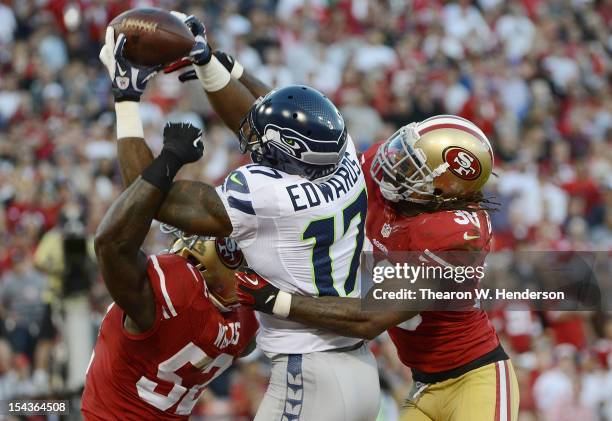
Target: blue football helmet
[297,130]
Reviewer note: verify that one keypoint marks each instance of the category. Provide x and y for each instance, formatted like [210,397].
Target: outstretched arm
[340,315]
[232,102]
[126,224]
[344,316]
[229,98]
[255,86]
[122,263]
[190,206]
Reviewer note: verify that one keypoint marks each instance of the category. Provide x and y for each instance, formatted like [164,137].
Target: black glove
[201,52]
[187,76]
[182,145]
[226,59]
[184,141]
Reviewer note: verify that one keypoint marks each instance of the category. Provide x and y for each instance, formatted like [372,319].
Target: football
[154,36]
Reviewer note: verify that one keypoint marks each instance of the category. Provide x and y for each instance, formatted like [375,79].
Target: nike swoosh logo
[271,297]
[468,237]
[234,178]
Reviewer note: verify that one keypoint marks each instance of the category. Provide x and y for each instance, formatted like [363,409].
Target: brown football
[154,36]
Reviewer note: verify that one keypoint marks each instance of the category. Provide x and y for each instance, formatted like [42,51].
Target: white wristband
[237,70]
[213,75]
[128,120]
[282,305]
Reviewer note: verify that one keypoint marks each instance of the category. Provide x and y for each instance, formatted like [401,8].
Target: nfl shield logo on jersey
[386,230]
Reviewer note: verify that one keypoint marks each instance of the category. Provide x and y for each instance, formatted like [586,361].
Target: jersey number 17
[322,233]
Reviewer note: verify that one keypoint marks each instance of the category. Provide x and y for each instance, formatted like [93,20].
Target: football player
[164,338]
[424,187]
[297,213]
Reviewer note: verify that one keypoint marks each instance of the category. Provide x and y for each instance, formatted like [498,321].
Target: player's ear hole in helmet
[216,258]
[295,129]
[440,163]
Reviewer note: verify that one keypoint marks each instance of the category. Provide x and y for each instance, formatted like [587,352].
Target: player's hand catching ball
[129,82]
[201,52]
[254,291]
[184,141]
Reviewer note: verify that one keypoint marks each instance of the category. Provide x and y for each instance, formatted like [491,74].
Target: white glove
[129,82]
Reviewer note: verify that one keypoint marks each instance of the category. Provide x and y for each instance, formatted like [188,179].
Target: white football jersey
[305,237]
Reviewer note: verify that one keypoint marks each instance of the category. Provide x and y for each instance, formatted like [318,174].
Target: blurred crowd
[535,75]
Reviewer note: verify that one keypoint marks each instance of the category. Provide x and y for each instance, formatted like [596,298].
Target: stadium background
[534,75]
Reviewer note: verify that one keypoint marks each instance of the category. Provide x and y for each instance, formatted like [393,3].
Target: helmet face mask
[401,170]
[441,159]
[249,139]
[297,130]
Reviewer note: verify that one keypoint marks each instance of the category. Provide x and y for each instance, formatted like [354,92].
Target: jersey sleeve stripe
[245,206]
[193,273]
[437,259]
[162,285]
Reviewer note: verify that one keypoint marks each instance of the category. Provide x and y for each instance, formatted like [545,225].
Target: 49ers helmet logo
[462,162]
[228,252]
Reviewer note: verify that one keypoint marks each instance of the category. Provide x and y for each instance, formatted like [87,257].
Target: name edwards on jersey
[311,194]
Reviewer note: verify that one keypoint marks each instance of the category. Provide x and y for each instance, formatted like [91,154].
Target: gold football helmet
[216,258]
[440,159]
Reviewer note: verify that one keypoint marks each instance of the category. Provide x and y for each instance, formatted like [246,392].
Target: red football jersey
[433,341]
[159,374]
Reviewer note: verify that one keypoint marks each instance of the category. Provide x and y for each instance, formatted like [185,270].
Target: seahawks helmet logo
[303,148]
